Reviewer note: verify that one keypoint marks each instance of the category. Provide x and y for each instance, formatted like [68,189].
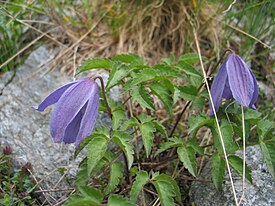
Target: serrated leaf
[165,191]
[147,133]
[143,76]
[197,121]
[187,92]
[141,179]
[143,118]
[188,69]
[190,58]
[118,113]
[195,145]
[227,134]
[117,74]
[115,175]
[169,61]
[163,93]
[268,150]
[94,63]
[251,114]
[96,150]
[170,180]
[121,139]
[132,122]
[188,158]
[167,145]
[160,128]
[99,131]
[217,170]
[128,58]
[140,95]
[82,175]
[264,127]
[165,71]
[237,164]
[88,196]
[116,200]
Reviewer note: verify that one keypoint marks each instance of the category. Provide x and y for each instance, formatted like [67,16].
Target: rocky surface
[26,130]
[260,193]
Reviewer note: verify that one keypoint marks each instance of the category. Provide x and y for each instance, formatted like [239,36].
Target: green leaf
[121,138]
[187,92]
[96,150]
[188,69]
[169,61]
[129,58]
[118,113]
[170,180]
[251,114]
[227,134]
[147,132]
[268,150]
[99,131]
[117,74]
[167,145]
[237,164]
[141,96]
[264,127]
[163,93]
[165,71]
[165,191]
[115,176]
[197,121]
[132,122]
[116,200]
[88,196]
[218,171]
[189,58]
[188,158]
[196,146]
[94,63]
[160,128]
[82,177]
[141,179]
[144,76]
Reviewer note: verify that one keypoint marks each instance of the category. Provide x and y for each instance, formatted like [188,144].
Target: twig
[104,94]
[55,190]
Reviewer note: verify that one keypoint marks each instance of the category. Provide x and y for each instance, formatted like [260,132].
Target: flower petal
[240,80]
[255,94]
[227,94]
[217,88]
[53,97]
[68,106]
[73,128]
[89,118]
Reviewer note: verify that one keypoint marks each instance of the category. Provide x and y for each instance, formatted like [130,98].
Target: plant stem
[220,60]
[215,115]
[104,94]
[243,125]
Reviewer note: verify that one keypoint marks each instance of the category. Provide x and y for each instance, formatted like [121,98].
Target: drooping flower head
[74,115]
[234,79]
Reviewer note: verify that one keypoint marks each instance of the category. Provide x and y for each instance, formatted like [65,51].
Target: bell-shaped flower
[234,79]
[74,115]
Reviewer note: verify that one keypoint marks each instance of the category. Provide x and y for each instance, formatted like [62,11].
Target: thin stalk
[243,125]
[104,94]
[216,117]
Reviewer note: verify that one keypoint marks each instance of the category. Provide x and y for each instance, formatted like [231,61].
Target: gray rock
[27,131]
[260,193]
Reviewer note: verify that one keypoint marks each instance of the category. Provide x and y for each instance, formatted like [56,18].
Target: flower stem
[104,94]
[243,125]
[221,58]
[216,117]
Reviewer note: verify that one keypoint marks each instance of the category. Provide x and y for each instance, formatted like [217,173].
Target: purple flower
[74,115]
[234,79]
